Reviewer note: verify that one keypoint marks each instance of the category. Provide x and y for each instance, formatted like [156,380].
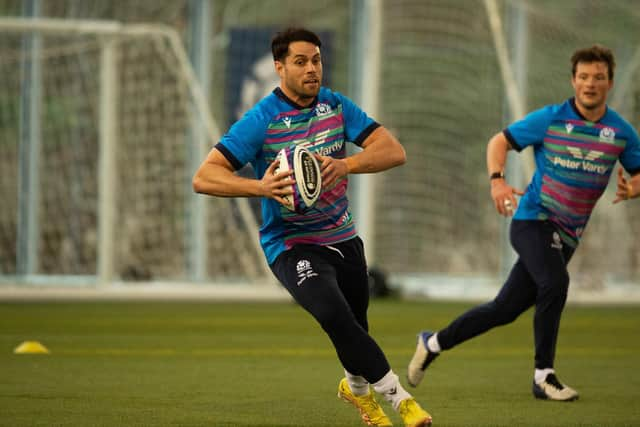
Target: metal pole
[107,161]
[30,145]
[518,30]
[197,238]
[364,89]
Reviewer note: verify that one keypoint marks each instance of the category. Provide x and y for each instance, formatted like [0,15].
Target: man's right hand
[276,185]
[504,196]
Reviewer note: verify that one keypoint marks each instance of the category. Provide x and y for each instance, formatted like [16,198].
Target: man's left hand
[332,169]
[625,188]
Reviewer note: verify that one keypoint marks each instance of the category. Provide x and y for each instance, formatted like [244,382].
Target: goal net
[451,74]
[456,73]
[102,126]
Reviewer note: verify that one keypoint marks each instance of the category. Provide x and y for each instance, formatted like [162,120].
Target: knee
[562,282]
[556,287]
[504,313]
[333,320]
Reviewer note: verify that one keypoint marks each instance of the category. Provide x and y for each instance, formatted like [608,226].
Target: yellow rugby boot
[370,411]
[413,415]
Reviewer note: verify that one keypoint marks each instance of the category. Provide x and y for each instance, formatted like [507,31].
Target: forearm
[216,177]
[497,149]
[224,183]
[634,183]
[381,151]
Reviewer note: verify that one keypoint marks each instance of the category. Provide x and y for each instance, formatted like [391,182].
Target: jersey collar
[572,102]
[280,94]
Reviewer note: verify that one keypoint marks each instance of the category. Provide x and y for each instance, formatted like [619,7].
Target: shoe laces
[553,380]
[369,402]
[407,407]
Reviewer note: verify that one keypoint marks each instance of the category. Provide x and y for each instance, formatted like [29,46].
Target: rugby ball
[307,176]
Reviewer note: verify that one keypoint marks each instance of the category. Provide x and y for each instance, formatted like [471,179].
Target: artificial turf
[269,364]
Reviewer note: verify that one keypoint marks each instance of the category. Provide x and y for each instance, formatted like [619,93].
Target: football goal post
[98,129]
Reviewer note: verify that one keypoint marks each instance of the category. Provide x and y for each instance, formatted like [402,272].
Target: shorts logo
[304,270]
[557,242]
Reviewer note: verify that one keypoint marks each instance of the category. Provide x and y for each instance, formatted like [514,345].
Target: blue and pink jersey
[324,127]
[574,160]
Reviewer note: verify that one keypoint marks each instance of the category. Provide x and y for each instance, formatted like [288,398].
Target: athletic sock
[433,345]
[391,389]
[358,385]
[541,374]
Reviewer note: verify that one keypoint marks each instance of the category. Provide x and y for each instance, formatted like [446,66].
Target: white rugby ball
[307,176]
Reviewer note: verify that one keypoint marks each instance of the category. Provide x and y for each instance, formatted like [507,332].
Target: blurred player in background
[576,146]
[317,256]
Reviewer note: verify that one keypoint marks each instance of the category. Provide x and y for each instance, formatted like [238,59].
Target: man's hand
[625,189]
[504,197]
[332,169]
[276,185]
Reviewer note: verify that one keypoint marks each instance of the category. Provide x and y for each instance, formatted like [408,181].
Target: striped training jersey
[323,127]
[574,160]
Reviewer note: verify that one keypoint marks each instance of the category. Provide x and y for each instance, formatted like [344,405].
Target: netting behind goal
[445,95]
[52,113]
[445,89]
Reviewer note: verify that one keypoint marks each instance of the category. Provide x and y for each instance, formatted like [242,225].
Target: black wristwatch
[496,175]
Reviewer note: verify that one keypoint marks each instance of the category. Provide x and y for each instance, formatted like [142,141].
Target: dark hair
[595,53]
[280,42]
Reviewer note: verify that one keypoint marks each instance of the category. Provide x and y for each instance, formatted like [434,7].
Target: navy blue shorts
[331,283]
[327,277]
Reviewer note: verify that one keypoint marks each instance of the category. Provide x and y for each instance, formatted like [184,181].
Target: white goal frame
[110,33]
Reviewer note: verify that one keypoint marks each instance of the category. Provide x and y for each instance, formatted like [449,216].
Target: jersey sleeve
[244,140]
[358,125]
[529,130]
[630,157]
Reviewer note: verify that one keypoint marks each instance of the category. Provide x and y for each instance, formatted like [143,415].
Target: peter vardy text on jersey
[577,164]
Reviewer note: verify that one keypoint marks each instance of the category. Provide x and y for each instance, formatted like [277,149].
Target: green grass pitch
[269,364]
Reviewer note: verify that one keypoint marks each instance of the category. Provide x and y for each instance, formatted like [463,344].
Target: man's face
[301,72]
[591,84]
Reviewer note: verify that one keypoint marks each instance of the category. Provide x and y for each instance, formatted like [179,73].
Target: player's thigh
[311,279]
[542,252]
[518,292]
[353,278]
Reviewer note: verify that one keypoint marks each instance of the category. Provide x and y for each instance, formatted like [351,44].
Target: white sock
[391,389]
[433,345]
[358,385]
[541,374]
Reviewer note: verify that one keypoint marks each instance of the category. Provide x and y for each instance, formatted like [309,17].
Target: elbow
[401,157]
[499,141]
[492,144]
[197,184]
